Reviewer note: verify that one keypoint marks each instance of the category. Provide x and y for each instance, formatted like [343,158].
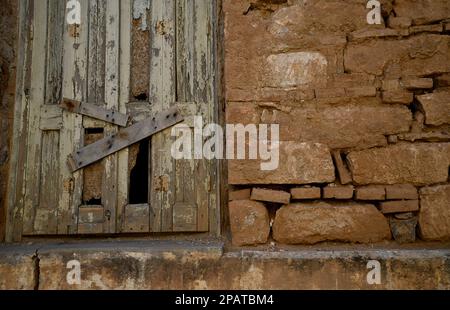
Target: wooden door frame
[16,182]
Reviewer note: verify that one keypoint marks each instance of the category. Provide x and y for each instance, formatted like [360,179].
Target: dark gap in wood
[139,175]
[90,131]
[141,97]
[93,202]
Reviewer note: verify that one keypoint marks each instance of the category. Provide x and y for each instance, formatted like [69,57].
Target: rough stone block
[304,193]
[402,191]
[434,216]
[299,163]
[427,28]
[391,85]
[364,91]
[338,192]
[403,163]
[421,55]
[317,222]
[436,107]
[269,195]
[249,221]
[403,231]
[362,123]
[417,83]
[330,93]
[423,11]
[399,22]
[371,192]
[399,206]
[242,194]
[400,97]
[296,69]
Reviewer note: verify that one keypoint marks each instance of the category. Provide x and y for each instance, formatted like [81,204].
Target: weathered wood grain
[14,213]
[51,118]
[162,94]
[95,111]
[136,219]
[37,97]
[124,97]
[112,74]
[72,134]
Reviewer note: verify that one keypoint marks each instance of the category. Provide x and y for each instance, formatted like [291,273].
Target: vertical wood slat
[162,90]
[194,84]
[14,214]
[37,97]
[46,221]
[125,60]
[112,62]
[74,87]
[95,84]
[218,199]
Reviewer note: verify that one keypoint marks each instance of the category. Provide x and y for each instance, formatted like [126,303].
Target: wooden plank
[126,137]
[112,75]
[90,215]
[162,94]
[37,97]
[51,118]
[90,229]
[46,222]
[55,44]
[14,214]
[194,84]
[136,219]
[140,110]
[96,52]
[50,183]
[74,87]
[95,111]
[124,97]
[185,217]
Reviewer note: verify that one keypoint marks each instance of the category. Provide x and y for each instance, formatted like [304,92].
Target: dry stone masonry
[364,115]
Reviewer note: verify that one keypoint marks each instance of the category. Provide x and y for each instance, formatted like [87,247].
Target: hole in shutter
[93,174]
[139,157]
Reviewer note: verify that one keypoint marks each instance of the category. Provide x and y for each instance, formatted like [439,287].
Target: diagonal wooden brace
[95,111]
[123,139]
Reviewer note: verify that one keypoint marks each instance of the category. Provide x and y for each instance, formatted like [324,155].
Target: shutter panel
[182,68]
[45,121]
[91,63]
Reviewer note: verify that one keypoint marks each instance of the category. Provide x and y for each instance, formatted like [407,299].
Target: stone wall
[8,22]
[364,115]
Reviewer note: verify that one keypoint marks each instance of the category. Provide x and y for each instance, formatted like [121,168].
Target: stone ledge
[193,265]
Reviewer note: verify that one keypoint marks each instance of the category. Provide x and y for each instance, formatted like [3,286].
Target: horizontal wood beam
[95,111]
[123,139]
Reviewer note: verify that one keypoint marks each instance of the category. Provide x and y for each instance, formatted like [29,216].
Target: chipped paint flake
[140,8]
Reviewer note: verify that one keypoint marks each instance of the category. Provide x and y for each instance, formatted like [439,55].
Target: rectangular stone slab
[126,137]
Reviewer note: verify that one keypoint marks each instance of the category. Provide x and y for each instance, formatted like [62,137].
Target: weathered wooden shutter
[81,63]
[182,194]
[91,63]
